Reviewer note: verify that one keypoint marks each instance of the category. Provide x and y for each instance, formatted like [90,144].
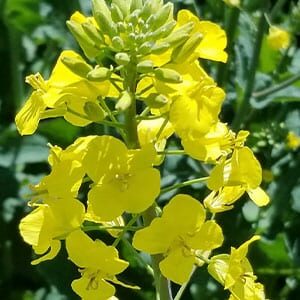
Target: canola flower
[141,75]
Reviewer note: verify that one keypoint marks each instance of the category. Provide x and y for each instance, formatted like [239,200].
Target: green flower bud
[145,66]
[116,13]
[87,45]
[122,58]
[94,111]
[149,8]
[167,75]
[99,74]
[76,65]
[160,48]
[156,100]
[184,51]
[123,5]
[145,48]
[136,4]
[103,18]
[124,102]
[92,32]
[117,43]
[161,17]
[163,31]
[179,36]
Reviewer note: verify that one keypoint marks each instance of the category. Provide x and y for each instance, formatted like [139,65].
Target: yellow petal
[258,196]
[54,249]
[177,266]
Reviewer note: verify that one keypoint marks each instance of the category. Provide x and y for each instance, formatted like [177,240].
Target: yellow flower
[241,170]
[278,38]
[98,265]
[120,176]
[213,40]
[49,223]
[235,273]
[180,234]
[193,115]
[293,140]
[63,94]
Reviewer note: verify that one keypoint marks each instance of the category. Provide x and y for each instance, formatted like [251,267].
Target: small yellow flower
[179,234]
[243,171]
[119,177]
[49,223]
[293,140]
[278,38]
[98,265]
[235,273]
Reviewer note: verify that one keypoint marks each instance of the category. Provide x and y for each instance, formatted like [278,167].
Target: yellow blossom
[180,234]
[278,38]
[242,170]
[235,273]
[98,265]
[119,177]
[293,140]
[49,223]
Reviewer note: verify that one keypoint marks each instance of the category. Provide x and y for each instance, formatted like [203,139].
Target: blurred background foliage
[33,33]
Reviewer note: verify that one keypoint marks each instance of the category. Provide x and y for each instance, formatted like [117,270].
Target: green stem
[266,92]
[162,284]
[172,152]
[277,8]
[244,106]
[182,184]
[130,82]
[231,26]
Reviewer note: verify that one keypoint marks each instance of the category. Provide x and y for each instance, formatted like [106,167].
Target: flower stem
[244,106]
[266,92]
[182,184]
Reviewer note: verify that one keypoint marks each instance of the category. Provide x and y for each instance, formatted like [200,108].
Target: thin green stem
[172,152]
[182,184]
[244,106]
[161,129]
[266,92]
[126,228]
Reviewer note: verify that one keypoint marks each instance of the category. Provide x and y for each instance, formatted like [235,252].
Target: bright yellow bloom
[120,176]
[278,38]
[213,40]
[49,223]
[193,115]
[235,273]
[242,170]
[180,234]
[293,140]
[98,265]
[63,94]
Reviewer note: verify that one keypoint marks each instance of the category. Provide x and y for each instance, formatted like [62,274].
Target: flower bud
[99,74]
[145,66]
[146,48]
[122,58]
[103,18]
[278,38]
[136,4]
[160,48]
[184,51]
[94,111]
[88,46]
[156,100]
[167,75]
[161,17]
[123,5]
[117,43]
[116,13]
[92,32]
[76,65]
[179,36]
[124,102]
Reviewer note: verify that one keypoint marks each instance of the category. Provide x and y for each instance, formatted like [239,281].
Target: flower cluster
[145,64]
